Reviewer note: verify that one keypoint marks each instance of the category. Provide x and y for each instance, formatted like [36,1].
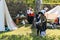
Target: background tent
[53,13]
[4,14]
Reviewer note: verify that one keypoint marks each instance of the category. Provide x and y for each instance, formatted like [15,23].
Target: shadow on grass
[35,37]
[30,37]
[2,33]
[20,25]
[27,25]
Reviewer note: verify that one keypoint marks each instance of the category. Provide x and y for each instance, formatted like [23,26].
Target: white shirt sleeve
[28,11]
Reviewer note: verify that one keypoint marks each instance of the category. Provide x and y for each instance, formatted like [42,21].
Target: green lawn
[26,33]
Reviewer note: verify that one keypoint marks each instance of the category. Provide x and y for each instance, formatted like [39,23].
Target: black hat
[40,13]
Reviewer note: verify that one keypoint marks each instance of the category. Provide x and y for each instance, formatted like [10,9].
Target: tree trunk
[38,5]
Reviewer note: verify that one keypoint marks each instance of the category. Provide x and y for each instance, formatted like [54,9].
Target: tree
[38,5]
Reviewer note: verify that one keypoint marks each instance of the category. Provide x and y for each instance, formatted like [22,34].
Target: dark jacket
[42,25]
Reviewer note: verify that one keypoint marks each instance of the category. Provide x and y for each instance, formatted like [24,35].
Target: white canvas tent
[53,13]
[4,14]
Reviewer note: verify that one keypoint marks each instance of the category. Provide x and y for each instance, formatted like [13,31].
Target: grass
[26,33]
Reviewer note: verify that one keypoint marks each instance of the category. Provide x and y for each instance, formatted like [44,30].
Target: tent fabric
[4,14]
[53,13]
[2,28]
[11,25]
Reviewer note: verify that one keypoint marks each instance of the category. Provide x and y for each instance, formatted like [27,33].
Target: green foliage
[16,5]
[22,37]
[51,1]
[52,34]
